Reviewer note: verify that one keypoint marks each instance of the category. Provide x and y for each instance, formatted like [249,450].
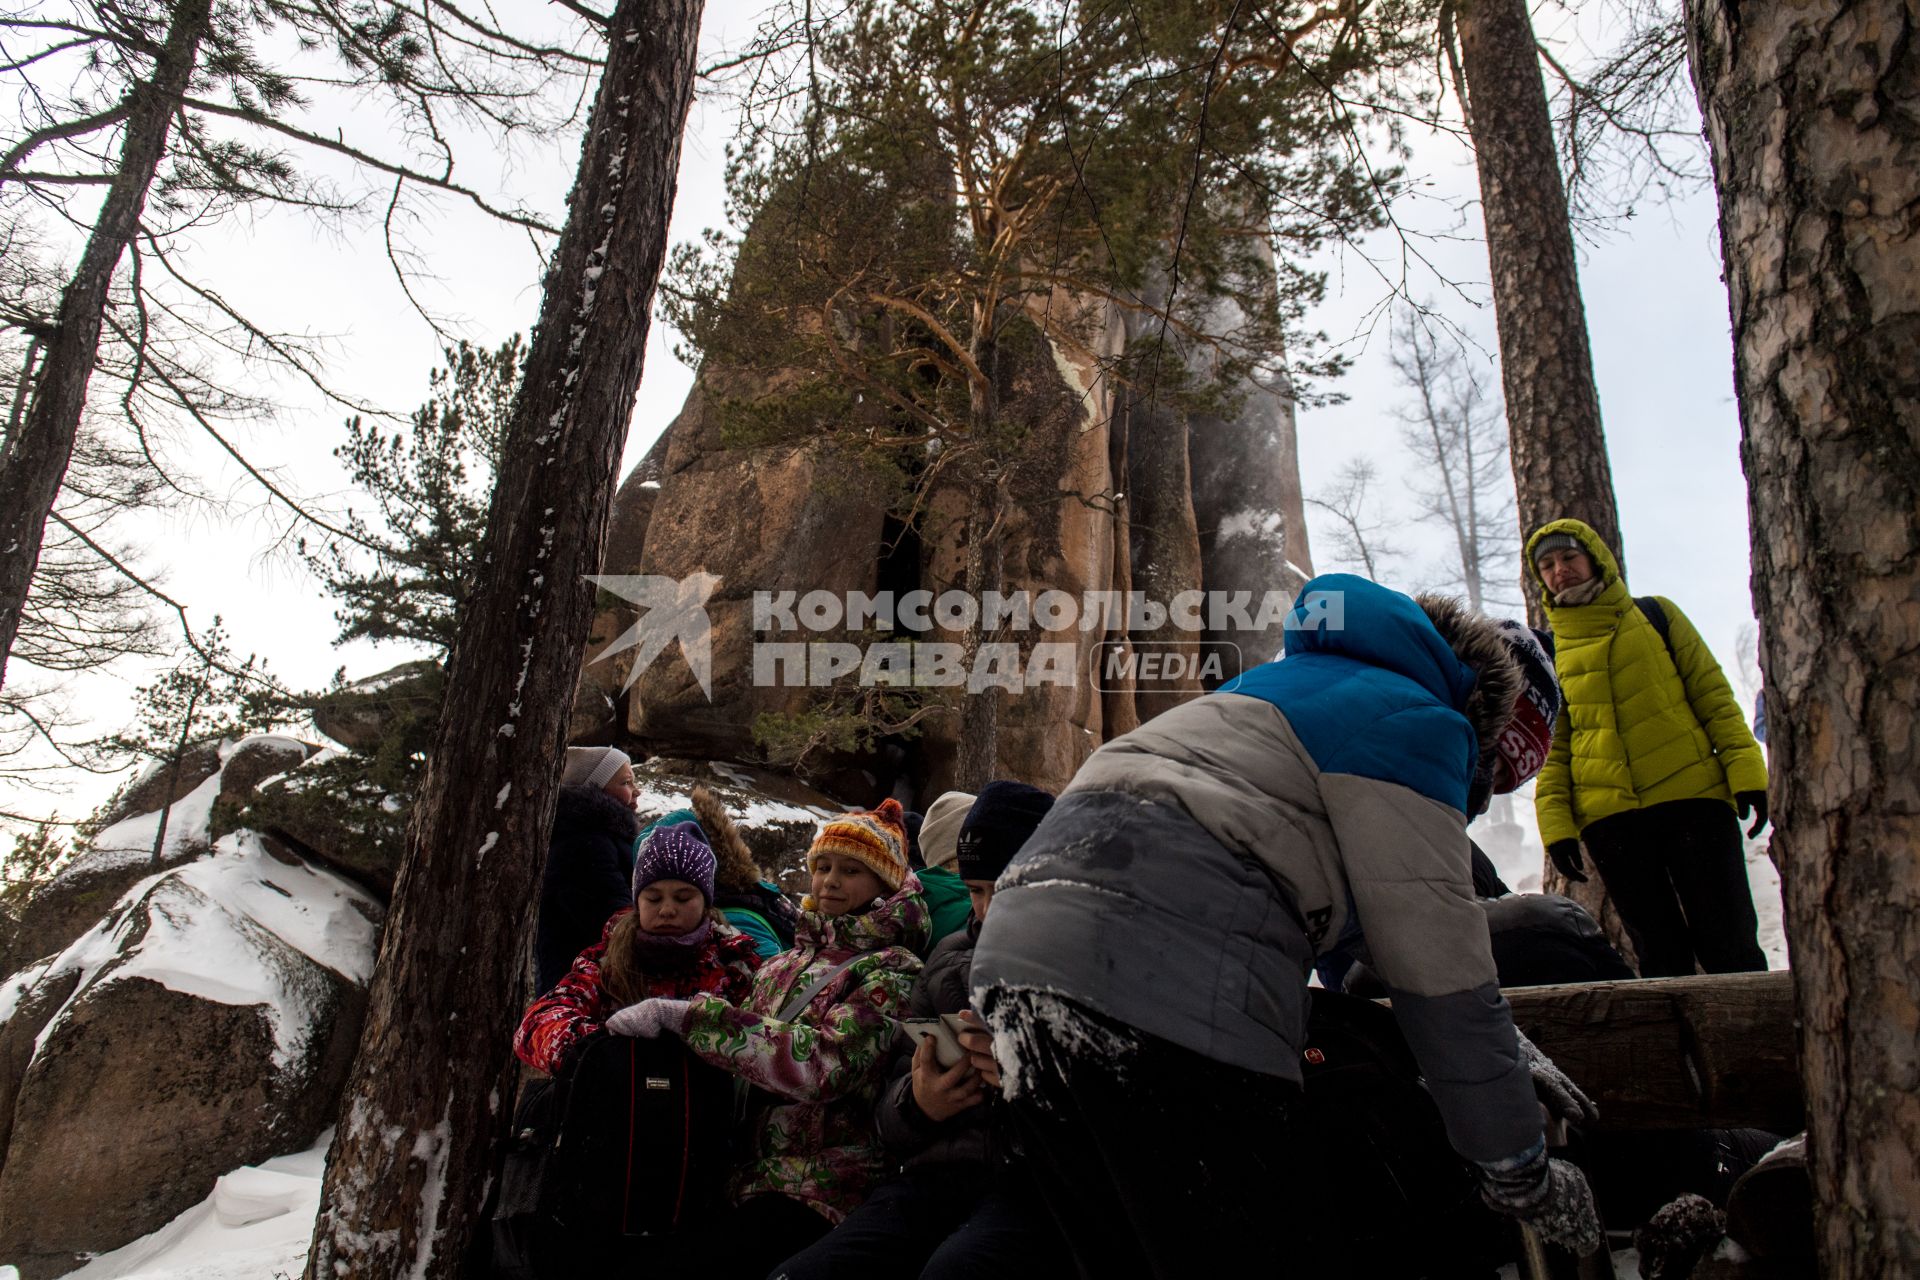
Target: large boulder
[364,713]
[1058,534]
[121,852]
[333,810]
[162,784]
[206,1022]
[793,517]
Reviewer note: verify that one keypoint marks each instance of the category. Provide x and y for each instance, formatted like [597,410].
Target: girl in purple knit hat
[671,943]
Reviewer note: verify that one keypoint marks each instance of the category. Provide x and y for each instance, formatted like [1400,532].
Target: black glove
[1755,803]
[1566,856]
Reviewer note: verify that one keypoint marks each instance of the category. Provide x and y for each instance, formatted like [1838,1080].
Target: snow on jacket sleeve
[557,1023]
[1409,869]
[1714,704]
[815,1058]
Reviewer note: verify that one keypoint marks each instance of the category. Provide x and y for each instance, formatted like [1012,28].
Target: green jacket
[947,899]
[1637,727]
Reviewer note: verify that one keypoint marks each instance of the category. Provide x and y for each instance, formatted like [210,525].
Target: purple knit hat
[677,851]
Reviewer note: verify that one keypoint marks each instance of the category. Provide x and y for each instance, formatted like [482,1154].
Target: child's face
[670,907]
[980,893]
[842,884]
[623,788]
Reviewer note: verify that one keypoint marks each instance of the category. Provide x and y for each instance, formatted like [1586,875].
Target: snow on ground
[255,1225]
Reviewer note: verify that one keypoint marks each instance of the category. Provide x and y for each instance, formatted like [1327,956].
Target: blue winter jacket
[1189,873]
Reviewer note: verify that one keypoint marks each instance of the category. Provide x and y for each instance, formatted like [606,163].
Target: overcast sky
[1656,309]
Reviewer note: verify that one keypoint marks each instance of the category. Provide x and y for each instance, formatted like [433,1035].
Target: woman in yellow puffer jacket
[1650,759]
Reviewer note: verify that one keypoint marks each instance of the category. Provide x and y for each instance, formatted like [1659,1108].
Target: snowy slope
[255,1225]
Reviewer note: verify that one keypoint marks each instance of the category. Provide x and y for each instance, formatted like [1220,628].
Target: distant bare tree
[1456,439]
[142,122]
[1354,531]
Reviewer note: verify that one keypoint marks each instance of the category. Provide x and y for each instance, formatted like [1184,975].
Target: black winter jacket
[589,876]
[911,1138]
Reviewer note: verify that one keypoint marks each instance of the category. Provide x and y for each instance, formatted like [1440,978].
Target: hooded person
[670,943]
[817,1067]
[1653,766]
[938,840]
[1144,968]
[959,1205]
[590,854]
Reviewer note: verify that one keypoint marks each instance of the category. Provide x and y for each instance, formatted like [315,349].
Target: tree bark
[1810,120]
[1554,437]
[34,460]
[431,1091]
[1559,453]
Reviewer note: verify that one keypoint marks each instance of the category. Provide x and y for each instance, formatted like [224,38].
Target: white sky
[1656,310]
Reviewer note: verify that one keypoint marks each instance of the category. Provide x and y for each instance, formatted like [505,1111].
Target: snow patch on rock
[202,930]
[256,1223]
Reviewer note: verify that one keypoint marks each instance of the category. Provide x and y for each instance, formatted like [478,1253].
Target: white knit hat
[940,833]
[593,766]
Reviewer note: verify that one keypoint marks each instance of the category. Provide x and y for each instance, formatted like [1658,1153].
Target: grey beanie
[940,833]
[593,766]
[1556,542]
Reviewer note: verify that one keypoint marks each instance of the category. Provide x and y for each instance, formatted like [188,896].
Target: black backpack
[633,1140]
[1398,1201]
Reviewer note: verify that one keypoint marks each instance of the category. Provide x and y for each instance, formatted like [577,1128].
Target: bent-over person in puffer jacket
[1144,971]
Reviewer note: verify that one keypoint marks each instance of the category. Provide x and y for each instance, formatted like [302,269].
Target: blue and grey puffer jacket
[1187,876]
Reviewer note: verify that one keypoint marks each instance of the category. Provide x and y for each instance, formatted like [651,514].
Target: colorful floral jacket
[816,1142]
[557,1023]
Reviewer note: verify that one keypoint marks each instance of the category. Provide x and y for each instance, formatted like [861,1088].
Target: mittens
[1755,803]
[647,1019]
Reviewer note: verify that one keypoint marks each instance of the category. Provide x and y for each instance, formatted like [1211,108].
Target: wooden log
[1710,1052]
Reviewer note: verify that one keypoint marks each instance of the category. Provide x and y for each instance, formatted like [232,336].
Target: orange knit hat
[877,837]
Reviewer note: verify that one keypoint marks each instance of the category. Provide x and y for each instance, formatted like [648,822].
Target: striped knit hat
[877,837]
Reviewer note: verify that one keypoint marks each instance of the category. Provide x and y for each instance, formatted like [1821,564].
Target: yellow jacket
[1637,727]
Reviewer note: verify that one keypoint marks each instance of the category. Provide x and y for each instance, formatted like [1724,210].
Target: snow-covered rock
[359,715]
[256,1223]
[123,852]
[205,1020]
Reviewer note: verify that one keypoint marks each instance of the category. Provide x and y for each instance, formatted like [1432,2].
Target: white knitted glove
[647,1019]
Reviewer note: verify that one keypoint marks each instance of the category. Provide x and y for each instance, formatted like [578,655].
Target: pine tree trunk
[976,761]
[35,458]
[1810,111]
[1546,369]
[1559,452]
[430,1093]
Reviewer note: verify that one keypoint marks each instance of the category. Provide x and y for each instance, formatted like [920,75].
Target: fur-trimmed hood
[737,871]
[1475,640]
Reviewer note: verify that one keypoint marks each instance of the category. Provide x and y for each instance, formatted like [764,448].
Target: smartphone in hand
[946,1046]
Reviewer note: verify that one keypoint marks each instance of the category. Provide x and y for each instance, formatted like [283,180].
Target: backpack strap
[743,1090]
[793,1007]
[1656,613]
